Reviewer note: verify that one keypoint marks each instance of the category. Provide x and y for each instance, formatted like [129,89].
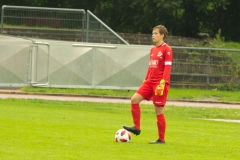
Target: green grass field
[40,129]
[188,94]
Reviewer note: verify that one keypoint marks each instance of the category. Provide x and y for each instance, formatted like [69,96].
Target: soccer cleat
[157,142]
[133,130]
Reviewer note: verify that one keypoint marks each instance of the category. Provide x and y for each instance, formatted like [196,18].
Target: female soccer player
[155,85]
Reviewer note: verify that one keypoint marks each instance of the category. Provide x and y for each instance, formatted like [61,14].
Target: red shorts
[147,91]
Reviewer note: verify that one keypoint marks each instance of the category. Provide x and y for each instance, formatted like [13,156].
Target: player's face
[157,37]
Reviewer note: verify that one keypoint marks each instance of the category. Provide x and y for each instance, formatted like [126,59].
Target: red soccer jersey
[160,64]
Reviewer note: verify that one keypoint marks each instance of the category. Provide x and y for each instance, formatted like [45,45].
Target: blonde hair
[162,30]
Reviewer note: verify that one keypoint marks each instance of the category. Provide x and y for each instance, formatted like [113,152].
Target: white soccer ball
[122,135]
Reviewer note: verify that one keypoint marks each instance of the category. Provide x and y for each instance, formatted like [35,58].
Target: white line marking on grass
[224,120]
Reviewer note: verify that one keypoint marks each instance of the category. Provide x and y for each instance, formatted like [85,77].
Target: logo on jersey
[160,54]
[168,53]
[153,63]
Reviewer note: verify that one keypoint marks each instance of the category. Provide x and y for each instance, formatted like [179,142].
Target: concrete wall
[52,63]
[69,64]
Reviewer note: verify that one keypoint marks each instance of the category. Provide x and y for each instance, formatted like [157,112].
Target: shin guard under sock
[161,125]
[135,109]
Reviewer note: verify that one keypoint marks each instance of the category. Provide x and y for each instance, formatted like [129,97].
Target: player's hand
[160,88]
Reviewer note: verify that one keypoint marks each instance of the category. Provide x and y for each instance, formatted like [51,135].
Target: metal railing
[56,23]
[42,22]
[98,31]
[197,65]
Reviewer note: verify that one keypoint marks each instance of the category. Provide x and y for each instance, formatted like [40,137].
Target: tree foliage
[181,17]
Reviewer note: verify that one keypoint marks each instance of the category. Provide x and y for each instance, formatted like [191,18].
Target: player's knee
[159,110]
[136,98]
[134,101]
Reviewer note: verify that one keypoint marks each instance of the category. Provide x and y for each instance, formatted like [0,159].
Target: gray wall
[14,61]
[68,64]
[49,63]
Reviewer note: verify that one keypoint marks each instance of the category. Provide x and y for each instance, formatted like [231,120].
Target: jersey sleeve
[167,64]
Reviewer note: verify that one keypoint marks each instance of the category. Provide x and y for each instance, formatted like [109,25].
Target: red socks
[136,113]
[161,121]
[161,124]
